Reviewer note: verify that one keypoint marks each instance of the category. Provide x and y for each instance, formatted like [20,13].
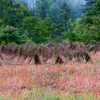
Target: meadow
[73,80]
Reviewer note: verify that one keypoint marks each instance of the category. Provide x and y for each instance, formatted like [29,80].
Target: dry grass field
[33,82]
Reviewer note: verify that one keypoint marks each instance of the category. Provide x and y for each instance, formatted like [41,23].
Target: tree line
[86,29]
[48,21]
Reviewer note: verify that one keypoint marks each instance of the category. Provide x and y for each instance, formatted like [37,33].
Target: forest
[45,21]
[49,49]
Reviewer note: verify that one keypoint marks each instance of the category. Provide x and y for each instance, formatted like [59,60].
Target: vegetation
[64,12]
[42,82]
[47,22]
[86,28]
[52,97]
[33,67]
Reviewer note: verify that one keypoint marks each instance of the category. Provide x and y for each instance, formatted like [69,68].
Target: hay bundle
[59,60]
[90,48]
[25,48]
[31,51]
[74,50]
[2,48]
[51,45]
[97,47]
[18,52]
[81,55]
[29,54]
[1,58]
[37,59]
[55,49]
[41,53]
[11,48]
[78,50]
[4,51]
[76,46]
[57,52]
[42,50]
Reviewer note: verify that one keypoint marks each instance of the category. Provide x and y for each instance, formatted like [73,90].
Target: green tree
[36,29]
[42,7]
[64,13]
[90,3]
[90,7]
[3,4]
[70,34]
[14,14]
[49,24]
[86,28]
[11,34]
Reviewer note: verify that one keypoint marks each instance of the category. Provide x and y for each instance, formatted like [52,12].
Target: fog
[75,5]
[30,3]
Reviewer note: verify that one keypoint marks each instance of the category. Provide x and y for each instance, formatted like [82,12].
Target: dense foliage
[36,29]
[48,21]
[11,34]
[39,27]
[86,28]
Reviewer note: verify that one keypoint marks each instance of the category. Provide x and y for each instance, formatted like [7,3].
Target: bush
[11,34]
[84,30]
[35,29]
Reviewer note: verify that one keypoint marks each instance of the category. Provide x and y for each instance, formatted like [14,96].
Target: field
[72,80]
[50,72]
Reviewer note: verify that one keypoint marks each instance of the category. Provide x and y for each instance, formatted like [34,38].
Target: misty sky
[75,2]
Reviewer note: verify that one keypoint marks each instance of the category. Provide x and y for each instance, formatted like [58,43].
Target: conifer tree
[42,7]
[64,12]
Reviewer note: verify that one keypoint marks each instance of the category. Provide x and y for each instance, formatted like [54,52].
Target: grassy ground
[71,81]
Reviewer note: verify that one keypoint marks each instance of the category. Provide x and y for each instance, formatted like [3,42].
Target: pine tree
[14,14]
[90,3]
[64,12]
[92,7]
[3,4]
[42,7]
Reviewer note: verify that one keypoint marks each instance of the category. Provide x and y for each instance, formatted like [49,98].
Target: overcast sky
[75,2]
